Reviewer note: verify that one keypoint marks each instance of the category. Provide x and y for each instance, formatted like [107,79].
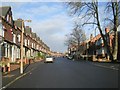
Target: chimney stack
[91,36]
[107,30]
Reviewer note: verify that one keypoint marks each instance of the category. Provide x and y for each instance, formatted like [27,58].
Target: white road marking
[17,79]
[107,67]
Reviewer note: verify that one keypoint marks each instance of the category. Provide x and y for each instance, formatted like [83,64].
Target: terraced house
[94,47]
[10,38]
[8,29]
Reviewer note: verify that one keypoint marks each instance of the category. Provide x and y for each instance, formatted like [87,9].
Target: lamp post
[1,46]
[21,47]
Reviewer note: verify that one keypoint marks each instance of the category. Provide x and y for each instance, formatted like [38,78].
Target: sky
[50,21]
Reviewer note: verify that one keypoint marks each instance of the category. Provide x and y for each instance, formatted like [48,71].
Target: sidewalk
[110,65]
[6,79]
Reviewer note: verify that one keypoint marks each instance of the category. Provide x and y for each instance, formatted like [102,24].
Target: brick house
[91,44]
[28,32]
[96,44]
[10,36]
[18,24]
[33,51]
[8,32]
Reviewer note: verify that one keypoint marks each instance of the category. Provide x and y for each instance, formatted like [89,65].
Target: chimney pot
[107,30]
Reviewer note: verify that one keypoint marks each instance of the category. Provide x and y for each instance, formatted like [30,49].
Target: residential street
[60,44]
[64,73]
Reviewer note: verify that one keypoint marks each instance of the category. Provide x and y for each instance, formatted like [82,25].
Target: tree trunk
[115,13]
[104,40]
[115,50]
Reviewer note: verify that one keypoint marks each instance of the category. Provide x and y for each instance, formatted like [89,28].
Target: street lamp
[21,59]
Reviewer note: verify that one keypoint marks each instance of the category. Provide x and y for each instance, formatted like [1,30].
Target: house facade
[95,45]
[7,31]
[10,38]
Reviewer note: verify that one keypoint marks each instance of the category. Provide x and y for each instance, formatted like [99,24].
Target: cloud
[53,30]
[52,25]
[49,21]
[43,10]
[56,42]
[55,0]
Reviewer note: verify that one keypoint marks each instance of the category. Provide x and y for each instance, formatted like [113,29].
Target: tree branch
[89,23]
[108,19]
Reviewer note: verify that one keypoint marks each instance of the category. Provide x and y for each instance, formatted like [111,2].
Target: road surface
[64,73]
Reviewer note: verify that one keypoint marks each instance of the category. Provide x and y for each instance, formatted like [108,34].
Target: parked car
[70,57]
[49,59]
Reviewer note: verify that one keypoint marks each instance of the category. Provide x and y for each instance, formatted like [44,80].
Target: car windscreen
[48,56]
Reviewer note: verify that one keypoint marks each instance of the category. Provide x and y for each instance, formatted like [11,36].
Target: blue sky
[50,21]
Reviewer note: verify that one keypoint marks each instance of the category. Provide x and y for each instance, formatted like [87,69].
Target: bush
[40,55]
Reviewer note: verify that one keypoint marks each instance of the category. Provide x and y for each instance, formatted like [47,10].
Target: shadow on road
[26,67]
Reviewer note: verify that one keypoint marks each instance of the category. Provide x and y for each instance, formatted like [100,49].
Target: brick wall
[7,34]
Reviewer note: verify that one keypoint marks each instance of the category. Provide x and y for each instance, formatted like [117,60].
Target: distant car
[49,59]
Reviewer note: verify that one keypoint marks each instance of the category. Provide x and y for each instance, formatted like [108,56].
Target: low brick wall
[14,66]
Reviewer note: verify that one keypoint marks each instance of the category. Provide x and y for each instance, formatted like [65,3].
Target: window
[37,46]
[32,45]
[6,49]
[25,42]
[1,30]
[18,38]
[103,51]
[8,17]
[14,38]
[10,20]
[101,40]
[18,53]
[28,42]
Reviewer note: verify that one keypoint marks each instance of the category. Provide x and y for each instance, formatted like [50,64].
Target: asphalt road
[64,73]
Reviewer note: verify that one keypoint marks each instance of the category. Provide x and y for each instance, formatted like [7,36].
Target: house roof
[18,23]
[28,30]
[96,38]
[34,35]
[38,38]
[4,10]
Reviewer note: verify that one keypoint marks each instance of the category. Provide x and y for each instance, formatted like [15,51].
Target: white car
[49,59]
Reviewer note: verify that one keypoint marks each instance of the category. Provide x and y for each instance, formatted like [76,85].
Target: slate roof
[28,30]
[18,23]
[38,38]
[34,35]
[4,10]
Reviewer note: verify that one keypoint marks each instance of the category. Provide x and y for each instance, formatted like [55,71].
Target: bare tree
[76,38]
[69,40]
[89,11]
[114,8]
